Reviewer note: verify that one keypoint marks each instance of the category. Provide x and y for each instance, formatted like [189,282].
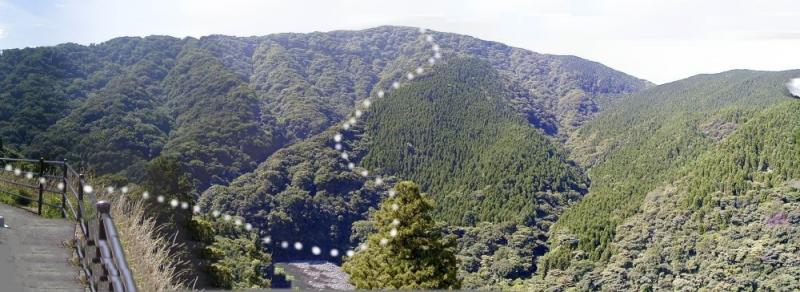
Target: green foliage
[238,263]
[222,106]
[23,198]
[416,257]
[650,139]
[453,132]
[202,231]
[493,255]
[118,104]
[165,176]
[219,130]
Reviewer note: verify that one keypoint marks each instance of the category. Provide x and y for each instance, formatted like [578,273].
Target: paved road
[32,254]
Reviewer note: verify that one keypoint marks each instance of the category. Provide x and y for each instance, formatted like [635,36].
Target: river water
[316,275]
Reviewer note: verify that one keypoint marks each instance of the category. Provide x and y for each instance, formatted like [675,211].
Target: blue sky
[659,40]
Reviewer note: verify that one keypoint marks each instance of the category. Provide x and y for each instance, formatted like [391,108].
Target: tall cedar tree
[417,257]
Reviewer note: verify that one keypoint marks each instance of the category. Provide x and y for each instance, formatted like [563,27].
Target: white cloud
[2,33]
[794,87]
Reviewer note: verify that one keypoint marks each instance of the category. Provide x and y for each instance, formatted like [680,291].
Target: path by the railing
[33,256]
[60,190]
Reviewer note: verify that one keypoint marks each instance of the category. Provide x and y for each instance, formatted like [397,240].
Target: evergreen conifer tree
[407,251]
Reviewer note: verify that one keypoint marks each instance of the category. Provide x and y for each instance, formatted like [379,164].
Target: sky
[657,40]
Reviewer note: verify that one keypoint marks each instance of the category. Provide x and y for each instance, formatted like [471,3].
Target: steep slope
[708,133]
[452,129]
[121,103]
[454,133]
[728,222]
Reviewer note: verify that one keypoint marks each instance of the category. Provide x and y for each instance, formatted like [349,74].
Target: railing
[107,270]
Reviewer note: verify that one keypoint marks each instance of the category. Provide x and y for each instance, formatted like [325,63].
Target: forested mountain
[455,133]
[251,119]
[692,186]
[223,104]
[452,129]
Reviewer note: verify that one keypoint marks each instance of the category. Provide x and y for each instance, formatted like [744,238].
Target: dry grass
[148,253]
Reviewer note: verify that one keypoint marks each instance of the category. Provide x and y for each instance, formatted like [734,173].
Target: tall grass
[148,253]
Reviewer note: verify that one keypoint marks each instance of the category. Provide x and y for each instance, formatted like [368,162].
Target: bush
[23,198]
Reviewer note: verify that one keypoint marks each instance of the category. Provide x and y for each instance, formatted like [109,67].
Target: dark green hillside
[651,139]
[453,133]
[36,89]
[112,105]
[120,125]
[728,222]
[219,131]
[303,192]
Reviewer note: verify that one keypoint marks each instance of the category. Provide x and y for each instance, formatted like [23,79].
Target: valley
[543,172]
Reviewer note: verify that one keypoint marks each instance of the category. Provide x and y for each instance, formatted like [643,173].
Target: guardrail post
[41,185]
[80,199]
[64,189]
[103,209]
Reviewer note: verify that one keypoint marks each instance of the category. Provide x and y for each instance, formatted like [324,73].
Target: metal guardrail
[106,269]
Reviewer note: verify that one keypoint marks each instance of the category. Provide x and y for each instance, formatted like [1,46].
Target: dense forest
[712,148]
[223,104]
[454,133]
